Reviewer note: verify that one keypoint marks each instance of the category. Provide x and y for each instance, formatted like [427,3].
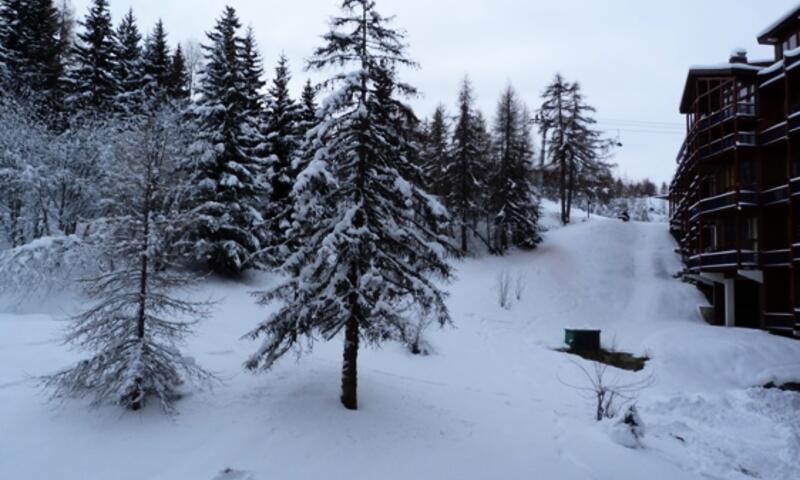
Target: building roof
[719,70]
[770,35]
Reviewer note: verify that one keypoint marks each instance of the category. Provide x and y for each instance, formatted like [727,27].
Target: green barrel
[582,340]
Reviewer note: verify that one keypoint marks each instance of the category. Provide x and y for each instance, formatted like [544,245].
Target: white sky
[631,56]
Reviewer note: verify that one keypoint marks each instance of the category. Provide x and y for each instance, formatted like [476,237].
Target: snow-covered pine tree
[516,214]
[436,151]
[231,231]
[178,76]
[134,328]
[91,79]
[308,108]
[7,36]
[253,139]
[462,173]
[282,122]
[32,49]
[368,239]
[129,67]
[156,61]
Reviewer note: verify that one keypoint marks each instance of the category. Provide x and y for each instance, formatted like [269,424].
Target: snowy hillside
[491,402]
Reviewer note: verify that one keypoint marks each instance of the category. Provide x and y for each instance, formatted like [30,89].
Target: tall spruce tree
[253,139]
[231,231]
[516,214]
[91,79]
[436,151]
[32,50]
[283,118]
[178,76]
[462,174]
[308,103]
[368,238]
[129,69]
[157,60]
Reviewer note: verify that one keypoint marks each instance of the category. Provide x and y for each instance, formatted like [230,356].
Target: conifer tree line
[152,169]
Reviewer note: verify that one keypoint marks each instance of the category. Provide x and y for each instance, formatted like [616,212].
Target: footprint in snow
[221,352]
[232,474]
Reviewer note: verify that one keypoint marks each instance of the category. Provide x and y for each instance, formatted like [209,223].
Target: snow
[795,10]
[491,402]
[727,66]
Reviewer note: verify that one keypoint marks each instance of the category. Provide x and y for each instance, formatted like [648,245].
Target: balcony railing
[796,251]
[794,186]
[741,109]
[718,202]
[779,321]
[727,259]
[776,195]
[773,134]
[794,118]
[775,258]
[747,139]
[742,198]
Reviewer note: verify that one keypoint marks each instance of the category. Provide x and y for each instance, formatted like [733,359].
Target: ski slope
[491,402]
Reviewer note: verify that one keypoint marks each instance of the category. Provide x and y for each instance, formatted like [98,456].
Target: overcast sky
[631,56]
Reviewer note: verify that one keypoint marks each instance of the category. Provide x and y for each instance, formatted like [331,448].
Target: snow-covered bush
[46,264]
[628,430]
[414,336]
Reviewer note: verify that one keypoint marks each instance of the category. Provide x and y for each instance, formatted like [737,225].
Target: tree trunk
[350,365]
[570,192]
[562,188]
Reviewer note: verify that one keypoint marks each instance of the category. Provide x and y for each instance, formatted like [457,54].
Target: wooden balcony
[725,201]
[794,118]
[729,142]
[729,259]
[776,258]
[779,320]
[776,196]
[773,134]
[794,186]
[741,110]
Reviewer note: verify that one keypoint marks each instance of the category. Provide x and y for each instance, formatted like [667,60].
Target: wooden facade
[735,197]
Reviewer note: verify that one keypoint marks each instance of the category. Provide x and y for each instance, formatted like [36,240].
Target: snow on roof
[772,69]
[726,66]
[792,53]
[795,11]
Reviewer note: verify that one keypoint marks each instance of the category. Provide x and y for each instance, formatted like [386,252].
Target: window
[747,174]
[750,234]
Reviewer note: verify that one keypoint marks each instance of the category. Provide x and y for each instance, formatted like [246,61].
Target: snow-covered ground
[491,402]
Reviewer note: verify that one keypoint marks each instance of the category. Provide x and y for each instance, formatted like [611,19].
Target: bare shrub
[607,390]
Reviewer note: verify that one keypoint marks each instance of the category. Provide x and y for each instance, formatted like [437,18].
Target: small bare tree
[608,391]
[503,288]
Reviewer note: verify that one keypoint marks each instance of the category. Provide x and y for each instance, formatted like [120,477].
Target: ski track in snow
[490,403]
